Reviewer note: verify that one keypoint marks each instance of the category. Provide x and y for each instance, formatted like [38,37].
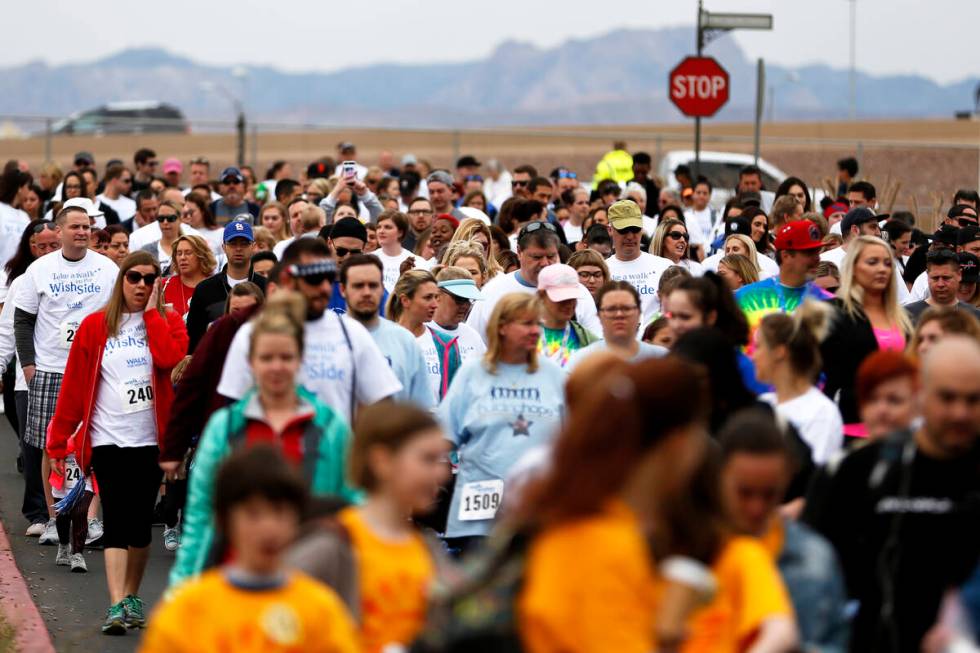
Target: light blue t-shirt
[494,419]
[645,351]
[398,346]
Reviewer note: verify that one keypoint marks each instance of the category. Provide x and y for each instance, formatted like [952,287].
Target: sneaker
[133,608]
[115,620]
[171,539]
[78,565]
[50,534]
[62,559]
[95,530]
[36,529]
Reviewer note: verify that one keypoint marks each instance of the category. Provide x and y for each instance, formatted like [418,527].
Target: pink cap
[173,165]
[559,281]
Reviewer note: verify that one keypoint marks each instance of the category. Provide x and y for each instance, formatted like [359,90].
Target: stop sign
[699,86]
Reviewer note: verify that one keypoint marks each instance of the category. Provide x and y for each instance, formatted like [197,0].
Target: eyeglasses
[344,251]
[41,226]
[473,178]
[315,273]
[518,184]
[677,235]
[619,310]
[134,277]
[420,212]
[586,276]
[531,227]
[167,218]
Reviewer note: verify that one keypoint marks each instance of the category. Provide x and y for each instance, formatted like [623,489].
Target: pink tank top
[890,339]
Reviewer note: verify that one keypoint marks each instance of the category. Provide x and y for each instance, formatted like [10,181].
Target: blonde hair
[465,232]
[201,250]
[589,257]
[264,237]
[852,294]
[313,218]
[801,334]
[283,233]
[509,308]
[451,272]
[660,235]
[406,286]
[116,306]
[753,255]
[741,266]
[466,249]
[284,314]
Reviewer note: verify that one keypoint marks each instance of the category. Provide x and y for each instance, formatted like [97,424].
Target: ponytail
[283,314]
[800,333]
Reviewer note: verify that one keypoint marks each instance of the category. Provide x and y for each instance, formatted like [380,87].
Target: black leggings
[128,479]
[73,524]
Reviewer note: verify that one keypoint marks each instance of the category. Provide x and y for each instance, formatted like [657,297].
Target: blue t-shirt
[398,346]
[494,419]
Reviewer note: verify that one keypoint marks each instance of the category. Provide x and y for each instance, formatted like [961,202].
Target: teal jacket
[326,473]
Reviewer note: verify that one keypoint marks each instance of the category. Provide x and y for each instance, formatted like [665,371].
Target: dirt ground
[918,163]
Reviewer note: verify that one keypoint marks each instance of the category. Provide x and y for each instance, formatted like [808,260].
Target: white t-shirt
[835,256]
[329,365]
[699,225]
[8,347]
[123,414]
[392,265]
[818,420]
[125,207]
[215,238]
[573,233]
[12,224]
[504,284]
[149,233]
[214,196]
[470,347]
[920,290]
[643,273]
[61,293]
[767,266]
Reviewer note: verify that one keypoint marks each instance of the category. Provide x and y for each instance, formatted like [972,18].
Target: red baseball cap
[798,235]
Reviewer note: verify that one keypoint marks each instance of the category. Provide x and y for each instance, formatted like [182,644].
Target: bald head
[951,397]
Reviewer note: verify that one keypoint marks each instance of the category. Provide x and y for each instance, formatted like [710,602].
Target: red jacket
[167,340]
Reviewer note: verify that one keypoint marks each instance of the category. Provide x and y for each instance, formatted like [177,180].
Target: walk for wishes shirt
[470,345]
[494,419]
[61,293]
[643,273]
[333,370]
[761,298]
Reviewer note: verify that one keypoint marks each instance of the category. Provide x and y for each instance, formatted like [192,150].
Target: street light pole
[852,74]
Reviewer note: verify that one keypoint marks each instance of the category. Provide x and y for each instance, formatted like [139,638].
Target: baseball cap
[969,267]
[738,225]
[173,165]
[231,171]
[559,282]
[467,161]
[84,157]
[798,235]
[625,214]
[409,160]
[836,207]
[83,203]
[946,234]
[856,217]
[440,176]
[465,288]
[967,234]
[317,170]
[239,229]
[958,211]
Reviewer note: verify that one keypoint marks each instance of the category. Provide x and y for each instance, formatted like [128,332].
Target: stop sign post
[699,86]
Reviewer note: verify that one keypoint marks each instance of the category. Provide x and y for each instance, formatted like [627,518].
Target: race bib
[480,500]
[66,333]
[73,474]
[137,395]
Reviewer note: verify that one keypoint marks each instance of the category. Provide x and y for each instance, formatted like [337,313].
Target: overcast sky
[935,38]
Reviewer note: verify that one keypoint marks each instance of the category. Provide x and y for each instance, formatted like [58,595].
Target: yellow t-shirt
[590,586]
[211,614]
[750,591]
[394,580]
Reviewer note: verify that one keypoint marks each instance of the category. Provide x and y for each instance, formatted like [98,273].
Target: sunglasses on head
[677,235]
[315,273]
[134,277]
[531,227]
[473,178]
[167,218]
[567,174]
[344,251]
[41,226]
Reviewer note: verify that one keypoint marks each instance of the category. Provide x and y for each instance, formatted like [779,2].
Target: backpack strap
[312,436]
[353,366]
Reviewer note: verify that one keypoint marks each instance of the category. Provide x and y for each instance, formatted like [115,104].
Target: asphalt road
[72,605]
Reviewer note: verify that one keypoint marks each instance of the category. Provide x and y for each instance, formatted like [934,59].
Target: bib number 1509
[480,500]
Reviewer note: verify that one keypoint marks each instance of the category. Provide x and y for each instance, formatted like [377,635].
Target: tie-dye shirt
[558,344]
[761,298]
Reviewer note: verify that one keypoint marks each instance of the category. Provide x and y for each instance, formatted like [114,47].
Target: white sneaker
[171,539]
[63,557]
[78,565]
[95,530]
[35,530]
[50,534]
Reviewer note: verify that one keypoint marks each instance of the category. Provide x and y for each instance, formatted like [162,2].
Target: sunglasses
[41,226]
[473,178]
[344,251]
[134,278]
[167,218]
[967,222]
[567,174]
[518,184]
[531,227]
[832,290]
[677,235]
[629,230]
[315,273]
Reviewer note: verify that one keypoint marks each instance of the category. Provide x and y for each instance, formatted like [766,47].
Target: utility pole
[697,120]
[852,74]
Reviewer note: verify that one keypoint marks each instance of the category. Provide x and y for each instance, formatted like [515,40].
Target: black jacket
[208,304]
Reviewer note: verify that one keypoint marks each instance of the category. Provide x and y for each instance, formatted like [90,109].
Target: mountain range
[616,78]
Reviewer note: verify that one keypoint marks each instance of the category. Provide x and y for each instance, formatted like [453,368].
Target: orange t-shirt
[394,580]
[750,591]
[590,586]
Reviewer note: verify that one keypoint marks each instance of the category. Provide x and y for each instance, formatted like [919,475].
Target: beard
[363,315]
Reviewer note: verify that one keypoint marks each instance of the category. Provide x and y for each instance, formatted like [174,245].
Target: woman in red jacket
[118,377]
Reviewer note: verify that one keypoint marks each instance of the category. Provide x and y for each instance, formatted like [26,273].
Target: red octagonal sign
[699,86]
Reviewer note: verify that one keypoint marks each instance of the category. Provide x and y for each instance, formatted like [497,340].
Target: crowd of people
[399,407]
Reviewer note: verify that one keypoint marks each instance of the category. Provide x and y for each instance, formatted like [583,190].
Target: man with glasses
[629,262]
[943,273]
[146,164]
[420,216]
[57,291]
[346,238]
[208,302]
[441,194]
[360,283]
[537,248]
[148,231]
[232,202]
[118,184]
[341,362]
[521,181]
